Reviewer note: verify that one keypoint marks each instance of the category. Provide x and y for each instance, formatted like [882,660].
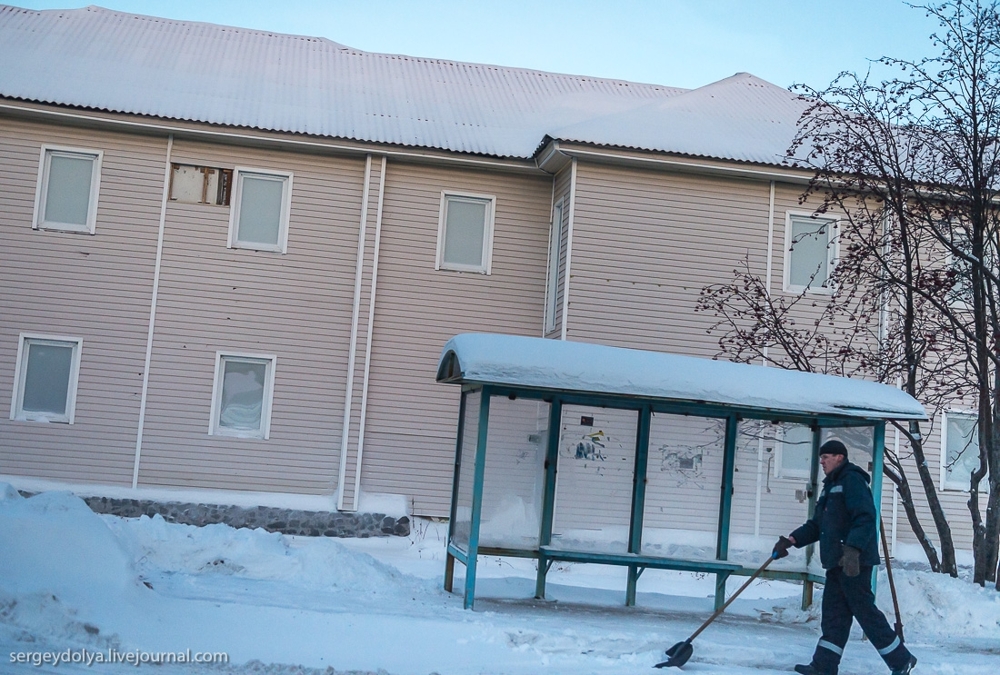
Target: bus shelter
[586,453]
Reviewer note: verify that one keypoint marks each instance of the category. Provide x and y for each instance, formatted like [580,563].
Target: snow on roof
[582,367]
[100,59]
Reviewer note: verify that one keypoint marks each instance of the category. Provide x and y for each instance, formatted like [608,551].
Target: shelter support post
[725,506]
[477,500]
[549,491]
[638,499]
[878,459]
[807,586]
[449,564]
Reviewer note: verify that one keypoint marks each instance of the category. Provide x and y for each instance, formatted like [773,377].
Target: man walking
[844,524]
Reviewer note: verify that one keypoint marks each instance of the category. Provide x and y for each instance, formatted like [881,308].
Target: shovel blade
[677,655]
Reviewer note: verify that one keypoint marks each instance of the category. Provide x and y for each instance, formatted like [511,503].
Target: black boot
[812,670]
[905,670]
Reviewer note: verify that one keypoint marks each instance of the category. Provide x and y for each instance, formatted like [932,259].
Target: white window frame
[21,368]
[38,221]
[944,482]
[833,252]
[552,272]
[779,470]
[264,432]
[491,202]
[239,173]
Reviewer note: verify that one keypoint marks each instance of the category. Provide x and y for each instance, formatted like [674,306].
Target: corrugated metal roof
[101,59]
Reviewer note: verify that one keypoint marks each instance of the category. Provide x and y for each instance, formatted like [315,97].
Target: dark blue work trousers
[845,599]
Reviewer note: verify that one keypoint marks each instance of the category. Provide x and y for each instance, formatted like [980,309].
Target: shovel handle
[732,597]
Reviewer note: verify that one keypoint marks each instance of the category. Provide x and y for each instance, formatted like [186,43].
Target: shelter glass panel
[767,502]
[860,442]
[593,505]
[467,471]
[512,489]
[683,484]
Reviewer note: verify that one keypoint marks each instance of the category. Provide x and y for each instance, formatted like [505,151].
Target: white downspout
[349,392]
[569,248]
[152,312]
[767,289]
[368,346]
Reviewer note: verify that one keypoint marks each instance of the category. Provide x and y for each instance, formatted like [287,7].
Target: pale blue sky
[684,43]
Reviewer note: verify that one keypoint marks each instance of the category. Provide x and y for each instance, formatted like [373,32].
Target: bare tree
[913,158]
[853,332]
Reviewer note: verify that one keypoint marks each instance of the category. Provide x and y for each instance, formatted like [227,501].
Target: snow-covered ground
[74,583]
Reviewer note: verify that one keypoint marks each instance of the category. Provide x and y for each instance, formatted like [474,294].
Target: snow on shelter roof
[98,59]
[580,367]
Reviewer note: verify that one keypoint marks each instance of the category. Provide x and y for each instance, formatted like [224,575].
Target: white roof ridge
[162,19]
[363,52]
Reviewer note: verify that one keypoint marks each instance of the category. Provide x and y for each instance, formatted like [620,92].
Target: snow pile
[161,547]
[936,605]
[55,545]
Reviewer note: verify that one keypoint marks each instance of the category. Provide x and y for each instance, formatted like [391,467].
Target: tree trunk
[906,498]
[948,564]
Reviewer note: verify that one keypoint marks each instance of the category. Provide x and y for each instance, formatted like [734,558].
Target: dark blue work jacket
[845,515]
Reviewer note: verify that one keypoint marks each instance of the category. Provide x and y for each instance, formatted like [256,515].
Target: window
[68,183]
[200,184]
[465,233]
[259,217]
[960,451]
[795,452]
[810,245]
[45,378]
[241,396]
[555,253]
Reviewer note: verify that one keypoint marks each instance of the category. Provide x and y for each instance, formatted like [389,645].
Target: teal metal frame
[634,560]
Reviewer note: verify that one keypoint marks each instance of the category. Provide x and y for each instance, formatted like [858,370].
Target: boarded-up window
[465,233]
[46,378]
[68,186]
[200,184]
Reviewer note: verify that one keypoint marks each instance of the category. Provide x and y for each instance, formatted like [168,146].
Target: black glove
[850,561]
[780,549]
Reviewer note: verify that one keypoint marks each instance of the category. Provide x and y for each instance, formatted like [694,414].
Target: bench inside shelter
[585,453]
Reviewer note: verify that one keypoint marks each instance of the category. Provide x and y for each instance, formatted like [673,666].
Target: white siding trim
[552,269]
[569,248]
[234,209]
[17,396]
[770,238]
[152,314]
[41,187]
[266,404]
[368,345]
[356,311]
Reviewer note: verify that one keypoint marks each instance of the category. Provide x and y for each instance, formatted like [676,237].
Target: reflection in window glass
[809,253]
[961,451]
[796,451]
[243,393]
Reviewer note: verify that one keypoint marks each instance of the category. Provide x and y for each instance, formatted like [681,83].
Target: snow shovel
[679,654]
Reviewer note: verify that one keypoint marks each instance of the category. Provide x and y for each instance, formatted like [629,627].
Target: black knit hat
[833,448]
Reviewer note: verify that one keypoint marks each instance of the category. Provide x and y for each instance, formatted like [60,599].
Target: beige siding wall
[644,245]
[410,433]
[296,306]
[94,287]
